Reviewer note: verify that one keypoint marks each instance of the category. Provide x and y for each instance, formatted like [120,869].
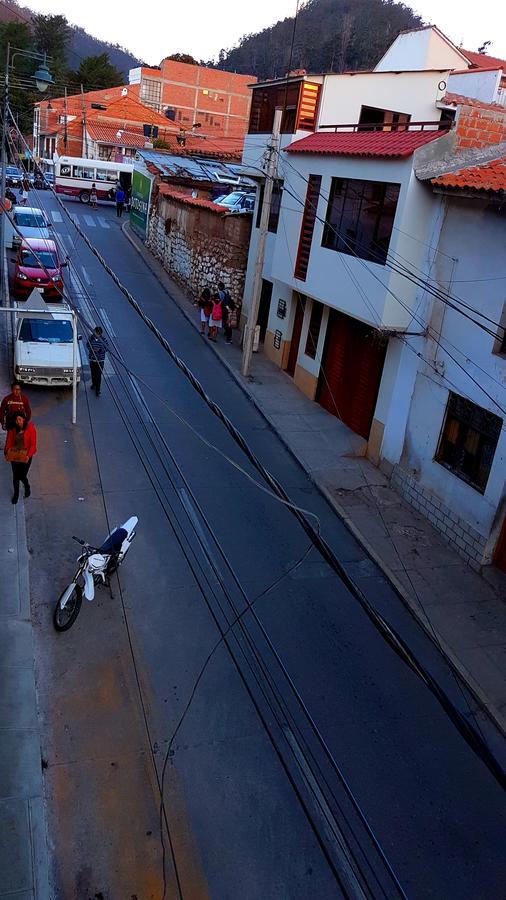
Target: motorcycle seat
[113,543]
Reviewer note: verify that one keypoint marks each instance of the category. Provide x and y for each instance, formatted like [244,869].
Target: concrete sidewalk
[23,847]
[464,612]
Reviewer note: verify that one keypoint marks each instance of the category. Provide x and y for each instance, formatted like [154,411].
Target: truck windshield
[30,259]
[43,331]
[29,220]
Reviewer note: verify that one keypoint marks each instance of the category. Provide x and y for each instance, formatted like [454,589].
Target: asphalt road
[298,699]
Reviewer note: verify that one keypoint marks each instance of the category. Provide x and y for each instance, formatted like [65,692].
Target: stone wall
[199,244]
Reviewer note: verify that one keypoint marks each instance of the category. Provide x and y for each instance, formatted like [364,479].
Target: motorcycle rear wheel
[64,618]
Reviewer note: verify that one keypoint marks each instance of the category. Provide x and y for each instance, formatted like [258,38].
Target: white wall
[479,85]
[476,237]
[352,285]
[421,49]
[414,93]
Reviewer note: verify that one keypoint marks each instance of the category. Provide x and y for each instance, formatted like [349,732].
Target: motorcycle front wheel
[64,618]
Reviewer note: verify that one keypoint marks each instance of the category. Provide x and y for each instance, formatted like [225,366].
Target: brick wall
[468,542]
[199,247]
[479,127]
[194,91]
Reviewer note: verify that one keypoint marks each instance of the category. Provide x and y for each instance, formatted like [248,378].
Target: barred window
[468,441]
[151,90]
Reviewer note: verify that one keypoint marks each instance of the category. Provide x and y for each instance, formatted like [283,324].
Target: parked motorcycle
[95,565]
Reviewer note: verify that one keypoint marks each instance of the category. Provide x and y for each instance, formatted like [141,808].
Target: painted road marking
[85,275]
[103,223]
[108,323]
[89,221]
[56,216]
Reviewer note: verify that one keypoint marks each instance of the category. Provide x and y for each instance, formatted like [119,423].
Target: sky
[205,27]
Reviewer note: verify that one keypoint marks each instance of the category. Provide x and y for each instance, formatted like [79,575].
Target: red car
[38,266]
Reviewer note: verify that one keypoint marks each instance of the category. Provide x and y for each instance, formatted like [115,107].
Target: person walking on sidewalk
[228,309]
[93,196]
[97,348]
[205,305]
[216,317]
[20,448]
[120,202]
[14,404]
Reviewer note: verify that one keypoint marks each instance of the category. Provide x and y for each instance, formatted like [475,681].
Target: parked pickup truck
[43,347]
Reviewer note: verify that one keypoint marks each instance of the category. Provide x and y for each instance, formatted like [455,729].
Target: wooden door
[300,302]
[351,370]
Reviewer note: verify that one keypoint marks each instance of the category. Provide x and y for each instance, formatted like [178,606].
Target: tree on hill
[184,58]
[330,35]
[96,73]
[22,91]
[51,35]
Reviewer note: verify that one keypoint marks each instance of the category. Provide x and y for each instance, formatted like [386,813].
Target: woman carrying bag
[20,448]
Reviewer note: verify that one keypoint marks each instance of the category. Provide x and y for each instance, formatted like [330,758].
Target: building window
[373,119]
[277,192]
[313,333]
[265,100]
[151,91]
[468,441]
[360,218]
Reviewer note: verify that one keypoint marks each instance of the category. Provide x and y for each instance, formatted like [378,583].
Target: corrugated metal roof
[197,168]
[364,143]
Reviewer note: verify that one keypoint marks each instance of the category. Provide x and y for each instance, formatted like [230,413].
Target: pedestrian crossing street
[83,219]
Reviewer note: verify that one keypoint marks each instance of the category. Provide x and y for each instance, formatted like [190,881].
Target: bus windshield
[30,259]
[44,331]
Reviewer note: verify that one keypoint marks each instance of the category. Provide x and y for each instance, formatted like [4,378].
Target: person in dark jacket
[13,404]
[97,348]
[228,307]
[21,442]
[120,202]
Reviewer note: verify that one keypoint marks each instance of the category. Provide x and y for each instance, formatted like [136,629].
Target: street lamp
[42,79]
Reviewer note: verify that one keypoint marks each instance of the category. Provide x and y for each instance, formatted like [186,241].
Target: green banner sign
[139,204]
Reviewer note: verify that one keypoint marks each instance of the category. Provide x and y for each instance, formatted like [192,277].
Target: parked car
[38,265]
[238,201]
[31,222]
[13,176]
[44,348]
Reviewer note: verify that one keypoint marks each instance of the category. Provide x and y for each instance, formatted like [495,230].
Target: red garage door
[351,370]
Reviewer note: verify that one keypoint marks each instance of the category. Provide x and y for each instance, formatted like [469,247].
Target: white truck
[44,347]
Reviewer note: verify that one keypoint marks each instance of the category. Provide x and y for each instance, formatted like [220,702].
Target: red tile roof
[460,100]
[490,176]
[484,61]
[167,191]
[106,134]
[364,143]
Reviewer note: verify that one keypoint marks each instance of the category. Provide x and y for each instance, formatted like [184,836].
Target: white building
[357,231]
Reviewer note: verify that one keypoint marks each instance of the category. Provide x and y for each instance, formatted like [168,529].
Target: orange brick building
[215,100]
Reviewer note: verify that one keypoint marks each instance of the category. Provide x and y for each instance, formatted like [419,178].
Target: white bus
[74,177]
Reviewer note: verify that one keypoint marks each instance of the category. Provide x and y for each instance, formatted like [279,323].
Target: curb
[498,720]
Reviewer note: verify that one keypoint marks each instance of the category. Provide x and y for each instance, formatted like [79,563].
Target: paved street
[254,806]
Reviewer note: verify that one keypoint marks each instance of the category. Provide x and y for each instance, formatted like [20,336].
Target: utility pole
[5,108]
[256,287]
[85,135]
[65,133]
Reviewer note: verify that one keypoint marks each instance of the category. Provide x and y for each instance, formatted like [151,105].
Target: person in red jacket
[12,404]
[20,448]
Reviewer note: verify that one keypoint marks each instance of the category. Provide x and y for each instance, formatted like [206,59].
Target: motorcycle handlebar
[79,541]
